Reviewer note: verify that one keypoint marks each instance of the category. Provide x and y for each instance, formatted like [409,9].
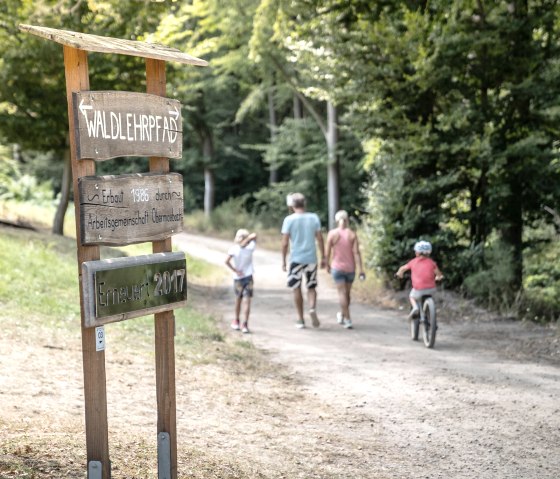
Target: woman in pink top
[342,242]
[424,274]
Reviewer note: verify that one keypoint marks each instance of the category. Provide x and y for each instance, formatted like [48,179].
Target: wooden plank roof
[96,43]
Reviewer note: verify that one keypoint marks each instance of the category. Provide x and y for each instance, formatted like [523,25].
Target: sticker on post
[100,338]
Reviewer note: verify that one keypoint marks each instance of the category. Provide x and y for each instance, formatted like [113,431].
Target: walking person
[343,243]
[301,233]
[241,253]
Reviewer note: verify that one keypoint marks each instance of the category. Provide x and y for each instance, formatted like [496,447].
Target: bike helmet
[423,247]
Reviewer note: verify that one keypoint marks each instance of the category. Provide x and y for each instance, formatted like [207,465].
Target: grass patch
[39,288]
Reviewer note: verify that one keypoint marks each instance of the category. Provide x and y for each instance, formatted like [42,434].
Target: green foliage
[493,284]
[451,107]
[541,285]
[224,220]
[458,108]
[17,186]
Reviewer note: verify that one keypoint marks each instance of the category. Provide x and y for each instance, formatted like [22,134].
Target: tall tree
[456,103]
[32,95]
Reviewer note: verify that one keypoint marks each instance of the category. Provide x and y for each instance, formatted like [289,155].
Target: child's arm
[439,274]
[230,266]
[358,256]
[328,251]
[246,241]
[402,269]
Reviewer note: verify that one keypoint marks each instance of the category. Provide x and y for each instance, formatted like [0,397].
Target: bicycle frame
[427,319]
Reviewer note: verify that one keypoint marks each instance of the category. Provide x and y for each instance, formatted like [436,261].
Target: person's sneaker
[339,318]
[235,324]
[314,319]
[300,324]
[413,313]
[245,329]
[347,323]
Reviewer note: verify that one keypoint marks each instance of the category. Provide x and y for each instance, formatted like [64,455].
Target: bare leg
[237,307]
[348,289]
[247,309]
[298,300]
[343,299]
[312,298]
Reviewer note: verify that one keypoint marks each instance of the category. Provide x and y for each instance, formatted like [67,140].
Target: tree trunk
[298,108]
[209,180]
[333,164]
[273,178]
[512,229]
[58,222]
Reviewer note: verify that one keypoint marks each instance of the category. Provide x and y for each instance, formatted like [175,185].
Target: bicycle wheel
[414,328]
[430,323]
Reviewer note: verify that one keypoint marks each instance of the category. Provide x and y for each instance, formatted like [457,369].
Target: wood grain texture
[164,322]
[127,209]
[111,124]
[95,389]
[96,43]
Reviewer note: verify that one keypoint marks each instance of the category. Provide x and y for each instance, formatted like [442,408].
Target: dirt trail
[324,403]
[462,410]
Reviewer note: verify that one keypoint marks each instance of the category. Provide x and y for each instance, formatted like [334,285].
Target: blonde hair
[341,215]
[241,235]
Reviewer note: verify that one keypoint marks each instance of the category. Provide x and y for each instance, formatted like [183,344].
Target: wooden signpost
[105,125]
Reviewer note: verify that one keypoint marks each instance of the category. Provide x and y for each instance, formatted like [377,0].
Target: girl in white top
[242,255]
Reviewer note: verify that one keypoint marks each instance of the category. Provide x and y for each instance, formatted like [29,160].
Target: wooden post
[164,322]
[95,388]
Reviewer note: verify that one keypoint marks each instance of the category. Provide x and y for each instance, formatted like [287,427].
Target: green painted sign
[124,288]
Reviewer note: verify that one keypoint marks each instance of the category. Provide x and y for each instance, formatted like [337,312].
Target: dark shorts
[243,288]
[296,273]
[342,276]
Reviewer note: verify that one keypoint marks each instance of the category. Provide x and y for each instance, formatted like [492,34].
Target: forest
[424,119]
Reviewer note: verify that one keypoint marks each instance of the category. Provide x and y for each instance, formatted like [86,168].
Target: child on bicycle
[424,274]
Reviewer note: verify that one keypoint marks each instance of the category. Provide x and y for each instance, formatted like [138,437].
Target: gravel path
[470,408]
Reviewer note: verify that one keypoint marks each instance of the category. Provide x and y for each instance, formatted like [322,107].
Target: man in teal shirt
[300,232]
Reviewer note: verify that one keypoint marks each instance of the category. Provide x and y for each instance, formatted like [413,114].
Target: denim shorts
[342,276]
[418,293]
[243,287]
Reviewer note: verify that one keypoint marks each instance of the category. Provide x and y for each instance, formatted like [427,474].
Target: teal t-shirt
[302,228]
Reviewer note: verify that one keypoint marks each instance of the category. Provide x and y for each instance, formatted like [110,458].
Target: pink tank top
[343,255]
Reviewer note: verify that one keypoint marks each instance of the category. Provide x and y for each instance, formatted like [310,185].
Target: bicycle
[427,317]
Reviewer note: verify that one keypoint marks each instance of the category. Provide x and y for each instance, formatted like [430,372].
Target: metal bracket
[164,456]
[94,470]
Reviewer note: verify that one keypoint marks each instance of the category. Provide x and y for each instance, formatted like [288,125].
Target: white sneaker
[300,324]
[347,323]
[339,318]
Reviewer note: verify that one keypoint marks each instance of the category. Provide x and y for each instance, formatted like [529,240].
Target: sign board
[109,124]
[123,288]
[126,209]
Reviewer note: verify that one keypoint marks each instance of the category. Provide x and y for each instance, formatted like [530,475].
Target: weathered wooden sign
[123,288]
[126,209]
[112,123]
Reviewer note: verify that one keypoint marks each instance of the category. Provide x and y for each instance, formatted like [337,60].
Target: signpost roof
[96,43]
